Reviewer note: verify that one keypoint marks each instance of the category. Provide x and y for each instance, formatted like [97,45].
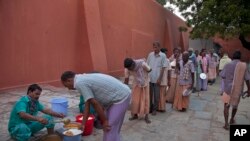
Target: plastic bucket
[88,125]
[72,138]
[59,105]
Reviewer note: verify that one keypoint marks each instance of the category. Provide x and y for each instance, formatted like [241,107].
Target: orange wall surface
[231,45]
[39,39]
[130,27]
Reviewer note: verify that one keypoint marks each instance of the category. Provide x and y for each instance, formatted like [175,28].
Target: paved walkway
[203,120]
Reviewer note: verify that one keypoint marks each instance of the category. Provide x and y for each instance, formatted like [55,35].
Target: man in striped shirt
[109,97]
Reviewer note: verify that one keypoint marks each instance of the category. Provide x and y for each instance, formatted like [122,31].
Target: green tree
[162,2]
[223,18]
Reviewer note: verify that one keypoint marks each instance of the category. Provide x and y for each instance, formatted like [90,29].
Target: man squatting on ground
[24,120]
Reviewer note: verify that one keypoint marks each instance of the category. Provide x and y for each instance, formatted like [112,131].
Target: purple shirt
[228,75]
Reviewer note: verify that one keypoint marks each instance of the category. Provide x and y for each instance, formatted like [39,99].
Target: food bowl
[73,125]
[72,135]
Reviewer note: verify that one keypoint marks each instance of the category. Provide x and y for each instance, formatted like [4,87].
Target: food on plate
[69,133]
[72,125]
[66,121]
[72,132]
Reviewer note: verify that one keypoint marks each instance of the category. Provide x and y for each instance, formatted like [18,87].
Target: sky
[176,10]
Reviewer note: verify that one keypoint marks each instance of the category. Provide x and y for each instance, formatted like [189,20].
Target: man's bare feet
[183,110]
[226,127]
[147,120]
[154,113]
[162,111]
[232,121]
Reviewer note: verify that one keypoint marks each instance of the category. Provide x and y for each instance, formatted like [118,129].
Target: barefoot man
[139,69]
[234,74]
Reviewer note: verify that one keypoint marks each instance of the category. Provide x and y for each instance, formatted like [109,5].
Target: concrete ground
[203,120]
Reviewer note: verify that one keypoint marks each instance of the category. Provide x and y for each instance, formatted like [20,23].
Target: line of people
[109,97]
[158,80]
[233,72]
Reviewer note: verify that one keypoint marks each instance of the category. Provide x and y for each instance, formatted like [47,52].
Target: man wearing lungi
[109,97]
[212,64]
[223,61]
[165,83]
[185,81]
[174,72]
[139,69]
[234,74]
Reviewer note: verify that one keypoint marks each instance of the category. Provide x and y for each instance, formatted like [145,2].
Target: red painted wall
[40,39]
[231,45]
[130,27]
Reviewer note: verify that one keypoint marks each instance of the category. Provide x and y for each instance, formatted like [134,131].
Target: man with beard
[24,120]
